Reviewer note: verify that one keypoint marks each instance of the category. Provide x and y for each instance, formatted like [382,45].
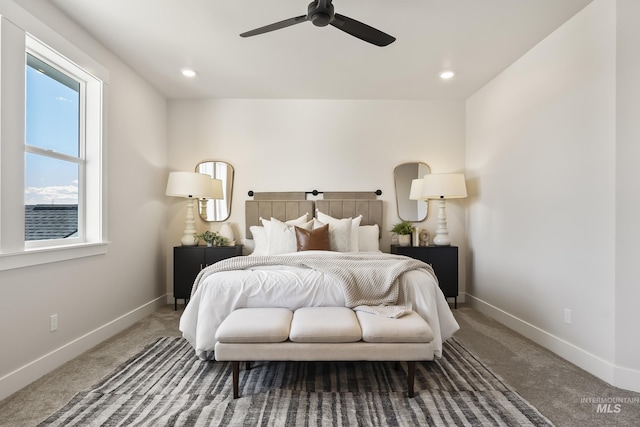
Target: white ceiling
[475,38]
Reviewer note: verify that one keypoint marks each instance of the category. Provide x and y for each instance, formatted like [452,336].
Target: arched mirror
[217,210]
[404,174]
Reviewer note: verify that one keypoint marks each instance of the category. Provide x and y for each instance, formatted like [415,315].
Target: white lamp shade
[190,184]
[416,189]
[444,186]
[217,189]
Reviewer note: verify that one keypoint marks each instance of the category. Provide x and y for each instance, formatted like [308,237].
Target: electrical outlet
[53,323]
[567,316]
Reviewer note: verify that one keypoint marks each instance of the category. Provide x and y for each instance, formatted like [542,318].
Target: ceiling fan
[321,14]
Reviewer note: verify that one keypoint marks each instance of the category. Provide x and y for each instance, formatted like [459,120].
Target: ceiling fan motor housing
[320,13]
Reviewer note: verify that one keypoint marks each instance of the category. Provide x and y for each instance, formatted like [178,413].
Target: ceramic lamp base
[442,234]
[442,240]
[189,236]
[189,240]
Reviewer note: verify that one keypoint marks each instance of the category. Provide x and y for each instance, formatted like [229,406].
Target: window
[54,160]
[51,144]
[63,118]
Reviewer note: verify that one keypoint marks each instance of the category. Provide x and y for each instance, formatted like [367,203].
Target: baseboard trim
[628,379]
[615,375]
[35,369]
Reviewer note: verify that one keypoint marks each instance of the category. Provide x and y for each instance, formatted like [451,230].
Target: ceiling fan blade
[362,31]
[278,25]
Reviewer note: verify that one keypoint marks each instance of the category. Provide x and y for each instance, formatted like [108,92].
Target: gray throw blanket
[372,282]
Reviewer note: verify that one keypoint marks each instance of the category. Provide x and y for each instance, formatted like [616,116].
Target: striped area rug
[166,385]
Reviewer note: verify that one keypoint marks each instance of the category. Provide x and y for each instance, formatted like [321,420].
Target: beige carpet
[555,387]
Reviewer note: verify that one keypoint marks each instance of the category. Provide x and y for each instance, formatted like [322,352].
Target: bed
[353,273]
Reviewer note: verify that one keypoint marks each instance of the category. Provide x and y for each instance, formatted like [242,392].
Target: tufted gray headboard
[291,205]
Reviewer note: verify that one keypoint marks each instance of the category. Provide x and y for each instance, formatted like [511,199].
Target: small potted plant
[404,230]
[209,237]
[219,240]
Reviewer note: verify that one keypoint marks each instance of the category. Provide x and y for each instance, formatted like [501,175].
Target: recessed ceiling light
[446,75]
[188,72]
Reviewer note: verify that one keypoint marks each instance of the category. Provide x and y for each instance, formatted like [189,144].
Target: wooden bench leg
[411,373]
[235,369]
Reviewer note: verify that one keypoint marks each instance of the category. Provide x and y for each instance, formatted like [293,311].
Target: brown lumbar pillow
[313,240]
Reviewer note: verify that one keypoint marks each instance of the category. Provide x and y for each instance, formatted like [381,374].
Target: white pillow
[267,223]
[355,223]
[355,236]
[317,223]
[339,233]
[369,238]
[260,242]
[282,239]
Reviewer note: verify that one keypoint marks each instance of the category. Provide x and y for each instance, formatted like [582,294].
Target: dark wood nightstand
[443,259]
[189,260]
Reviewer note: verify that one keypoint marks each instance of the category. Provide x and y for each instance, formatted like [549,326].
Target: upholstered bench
[322,334]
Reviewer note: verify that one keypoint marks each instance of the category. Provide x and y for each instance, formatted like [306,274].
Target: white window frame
[86,136]
[15,41]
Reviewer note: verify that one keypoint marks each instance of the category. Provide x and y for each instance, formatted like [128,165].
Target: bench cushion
[324,325]
[408,328]
[255,325]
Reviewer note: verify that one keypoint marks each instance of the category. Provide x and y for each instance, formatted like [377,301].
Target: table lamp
[192,185]
[442,186]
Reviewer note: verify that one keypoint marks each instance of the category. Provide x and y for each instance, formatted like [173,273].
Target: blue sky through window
[52,123]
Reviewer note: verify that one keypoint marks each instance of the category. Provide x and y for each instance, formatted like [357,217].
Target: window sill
[38,256]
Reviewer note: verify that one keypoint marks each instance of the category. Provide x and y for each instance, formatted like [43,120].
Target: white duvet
[291,287]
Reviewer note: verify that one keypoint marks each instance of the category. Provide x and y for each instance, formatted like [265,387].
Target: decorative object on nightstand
[227,232]
[415,237]
[189,260]
[212,238]
[443,259]
[208,237]
[442,186]
[192,185]
[423,237]
[404,230]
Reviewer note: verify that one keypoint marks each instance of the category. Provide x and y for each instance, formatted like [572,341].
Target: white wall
[541,152]
[627,346]
[98,296]
[328,145]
